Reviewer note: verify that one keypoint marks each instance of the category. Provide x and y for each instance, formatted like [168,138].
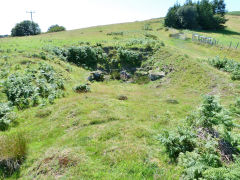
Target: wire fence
[213,42]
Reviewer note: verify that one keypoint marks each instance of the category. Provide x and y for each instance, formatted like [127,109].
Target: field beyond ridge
[95,135]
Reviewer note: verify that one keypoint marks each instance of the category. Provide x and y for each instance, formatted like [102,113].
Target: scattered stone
[122,98]
[96,76]
[156,75]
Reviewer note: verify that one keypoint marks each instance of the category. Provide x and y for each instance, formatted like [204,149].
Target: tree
[205,14]
[188,16]
[211,14]
[172,19]
[219,7]
[26,28]
[56,28]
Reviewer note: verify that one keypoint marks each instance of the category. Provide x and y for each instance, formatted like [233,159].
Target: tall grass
[13,151]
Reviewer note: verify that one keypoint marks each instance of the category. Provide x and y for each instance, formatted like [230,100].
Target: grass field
[97,136]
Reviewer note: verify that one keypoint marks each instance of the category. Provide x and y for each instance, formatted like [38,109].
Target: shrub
[84,88]
[6,117]
[149,43]
[129,58]
[20,90]
[86,56]
[235,108]
[13,150]
[180,142]
[56,28]
[26,28]
[203,145]
[26,90]
[227,65]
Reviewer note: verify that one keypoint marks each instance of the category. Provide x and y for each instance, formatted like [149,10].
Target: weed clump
[205,145]
[84,88]
[227,65]
[6,116]
[33,86]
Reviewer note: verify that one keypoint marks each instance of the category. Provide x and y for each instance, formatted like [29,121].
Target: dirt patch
[55,163]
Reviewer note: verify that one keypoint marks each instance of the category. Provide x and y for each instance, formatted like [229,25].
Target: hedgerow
[205,145]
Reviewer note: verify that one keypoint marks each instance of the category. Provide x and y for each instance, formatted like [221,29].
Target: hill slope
[97,136]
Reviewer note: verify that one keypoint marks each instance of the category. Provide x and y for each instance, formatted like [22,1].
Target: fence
[213,42]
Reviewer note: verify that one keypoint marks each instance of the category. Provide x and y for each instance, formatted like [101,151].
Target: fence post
[237,45]
[230,45]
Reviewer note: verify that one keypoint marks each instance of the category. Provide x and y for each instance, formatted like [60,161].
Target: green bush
[205,143]
[84,88]
[129,58]
[86,56]
[56,28]
[6,116]
[26,90]
[227,65]
[26,28]
[180,142]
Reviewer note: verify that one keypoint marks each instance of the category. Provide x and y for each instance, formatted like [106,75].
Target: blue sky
[74,14]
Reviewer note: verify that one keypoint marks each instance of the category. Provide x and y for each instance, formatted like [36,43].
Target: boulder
[153,76]
[96,76]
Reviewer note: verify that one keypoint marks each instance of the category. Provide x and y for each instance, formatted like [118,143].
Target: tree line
[203,14]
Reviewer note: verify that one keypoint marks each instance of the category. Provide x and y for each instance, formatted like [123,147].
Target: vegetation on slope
[111,131]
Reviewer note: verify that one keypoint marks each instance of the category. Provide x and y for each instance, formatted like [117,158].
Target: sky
[75,14]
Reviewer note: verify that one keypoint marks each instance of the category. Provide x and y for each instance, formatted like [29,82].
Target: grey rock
[124,75]
[156,75]
[96,76]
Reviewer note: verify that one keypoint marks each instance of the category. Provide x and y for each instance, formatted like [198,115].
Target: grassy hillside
[234,13]
[97,136]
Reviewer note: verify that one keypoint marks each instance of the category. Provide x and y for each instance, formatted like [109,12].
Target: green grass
[234,13]
[97,136]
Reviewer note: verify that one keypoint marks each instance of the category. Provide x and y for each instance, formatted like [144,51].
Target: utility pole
[31,12]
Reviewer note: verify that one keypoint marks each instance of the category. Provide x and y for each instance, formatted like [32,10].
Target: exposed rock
[96,76]
[156,75]
[124,75]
